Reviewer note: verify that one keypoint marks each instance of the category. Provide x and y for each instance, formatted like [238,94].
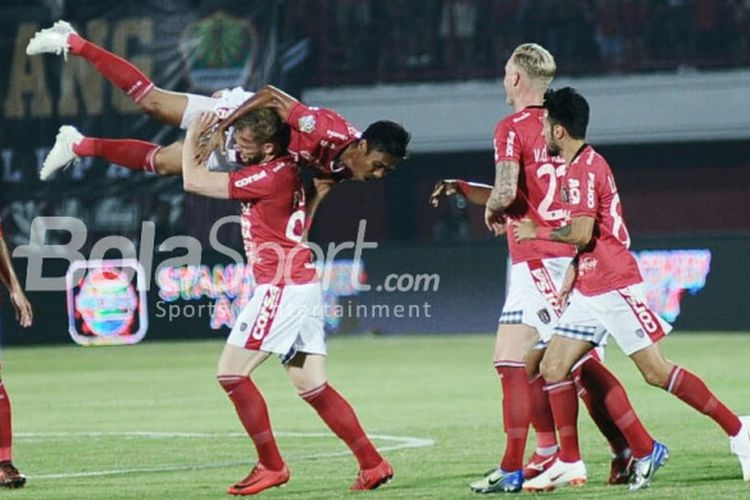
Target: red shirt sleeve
[251,183]
[585,192]
[320,123]
[506,142]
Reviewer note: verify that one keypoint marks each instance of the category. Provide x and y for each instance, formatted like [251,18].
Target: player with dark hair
[10,477]
[320,137]
[608,292]
[285,314]
[526,179]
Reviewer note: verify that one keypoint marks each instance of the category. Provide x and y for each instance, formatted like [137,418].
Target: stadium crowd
[372,41]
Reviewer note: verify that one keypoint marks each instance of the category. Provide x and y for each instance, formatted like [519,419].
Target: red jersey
[273,221]
[519,137]
[589,190]
[318,137]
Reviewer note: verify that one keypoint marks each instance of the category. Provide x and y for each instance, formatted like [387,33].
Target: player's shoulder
[522,119]
[594,160]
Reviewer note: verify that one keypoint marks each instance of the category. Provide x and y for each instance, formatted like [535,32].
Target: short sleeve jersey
[589,190]
[318,137]
[519,137]
[273,221]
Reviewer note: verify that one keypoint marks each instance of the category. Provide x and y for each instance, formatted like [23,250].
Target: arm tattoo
[506,183]
[562,233]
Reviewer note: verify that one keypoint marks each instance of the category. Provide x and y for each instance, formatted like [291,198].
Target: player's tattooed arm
[577,233]
[195,177]
[475,192]
[502,195]
[506,186]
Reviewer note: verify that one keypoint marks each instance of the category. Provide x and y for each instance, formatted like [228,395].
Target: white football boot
[52,40]
[61,155]
[740,445]
[559,474]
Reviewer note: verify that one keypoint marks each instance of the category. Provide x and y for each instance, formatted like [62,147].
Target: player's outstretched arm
[577,233]
[475,192]
[21,304]
[195,177]
[267,97]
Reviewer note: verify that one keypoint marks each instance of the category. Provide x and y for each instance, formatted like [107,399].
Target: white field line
[399,443]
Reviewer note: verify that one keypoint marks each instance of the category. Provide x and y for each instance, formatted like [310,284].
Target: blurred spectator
[366,41]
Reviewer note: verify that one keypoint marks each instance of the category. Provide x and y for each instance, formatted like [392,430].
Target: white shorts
[283,320]
[623,313]
[532,295]
[223,106]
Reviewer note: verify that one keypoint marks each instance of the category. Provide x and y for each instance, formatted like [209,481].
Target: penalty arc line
[402,442]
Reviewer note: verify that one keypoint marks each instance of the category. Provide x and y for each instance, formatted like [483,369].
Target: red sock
[117,70]
[6,434]
[516,412]
[564,403]
[541,414]
[692,390]
[611,409]
[130,153]
[338,414]
[253,413]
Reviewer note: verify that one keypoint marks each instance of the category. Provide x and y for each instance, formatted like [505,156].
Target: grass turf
[79,411]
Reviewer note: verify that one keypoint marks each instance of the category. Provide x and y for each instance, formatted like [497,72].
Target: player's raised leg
[62,39]
[70,146]
[307,373]
[691,389]
[235,366]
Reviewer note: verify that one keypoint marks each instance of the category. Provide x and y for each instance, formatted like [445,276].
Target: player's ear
[362,146]
[269,148]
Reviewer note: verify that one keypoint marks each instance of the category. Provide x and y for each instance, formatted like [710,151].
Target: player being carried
[285,314]
[525,183]
[608,294]
[319,137]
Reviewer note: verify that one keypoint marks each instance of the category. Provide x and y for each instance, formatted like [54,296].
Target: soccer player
[320,137]
[285,314]
[526,180]
[608,294]
[10,477]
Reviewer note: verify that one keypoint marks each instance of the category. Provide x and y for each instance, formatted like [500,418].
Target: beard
[553,150]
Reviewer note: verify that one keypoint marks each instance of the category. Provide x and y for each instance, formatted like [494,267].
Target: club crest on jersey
[306,124]
[219,51]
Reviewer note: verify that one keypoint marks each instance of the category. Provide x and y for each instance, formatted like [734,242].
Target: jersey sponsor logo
[509,143]
[250,179]
[336,135]
[546,287]
[521,117]
[646,316]
[266,313]
[306,124]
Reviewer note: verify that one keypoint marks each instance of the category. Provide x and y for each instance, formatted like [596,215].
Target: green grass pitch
[150,421]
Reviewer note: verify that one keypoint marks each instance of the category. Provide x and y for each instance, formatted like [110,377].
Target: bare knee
[656,375]
[553,370]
